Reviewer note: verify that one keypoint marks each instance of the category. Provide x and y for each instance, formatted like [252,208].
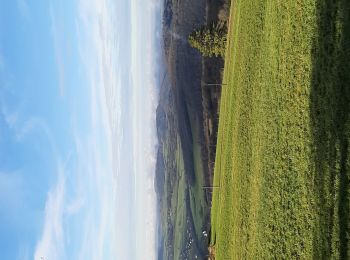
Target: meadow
[283,155]
[183,205]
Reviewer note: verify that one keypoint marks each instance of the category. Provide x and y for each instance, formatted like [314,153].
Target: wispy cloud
[51,244]
[22,127]
[114,158]
[75,206]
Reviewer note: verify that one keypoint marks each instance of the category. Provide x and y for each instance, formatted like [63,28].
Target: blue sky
[77,128]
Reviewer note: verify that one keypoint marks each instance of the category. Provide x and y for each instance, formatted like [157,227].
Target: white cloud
[75,206]
[104,162]
[97,199]
[28,126]
[51,244]
[144,101]
[22,127]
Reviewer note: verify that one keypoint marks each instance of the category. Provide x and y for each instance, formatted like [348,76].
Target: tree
[210,40]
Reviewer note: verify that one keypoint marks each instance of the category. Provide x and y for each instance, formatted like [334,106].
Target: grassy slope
[283,144]
[197,202]
[186,240]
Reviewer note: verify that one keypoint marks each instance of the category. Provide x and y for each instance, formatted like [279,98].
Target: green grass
[282,159]
[180,211]
[197,193]
[180,239]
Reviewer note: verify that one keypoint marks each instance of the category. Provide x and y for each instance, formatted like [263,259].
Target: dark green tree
[210,40]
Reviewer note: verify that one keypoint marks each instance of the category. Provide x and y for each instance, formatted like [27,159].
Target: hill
[283,162]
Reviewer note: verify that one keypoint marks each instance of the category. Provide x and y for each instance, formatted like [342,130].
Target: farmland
[184,211]
[283,154]
[187,122]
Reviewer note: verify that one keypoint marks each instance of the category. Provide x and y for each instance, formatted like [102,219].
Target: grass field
[183,208]
[283,154]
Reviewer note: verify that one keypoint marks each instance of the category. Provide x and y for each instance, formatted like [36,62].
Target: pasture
[283,154]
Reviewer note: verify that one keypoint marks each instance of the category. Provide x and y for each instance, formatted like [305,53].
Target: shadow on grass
[330,108]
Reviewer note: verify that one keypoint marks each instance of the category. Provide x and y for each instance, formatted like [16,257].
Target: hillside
[283,162]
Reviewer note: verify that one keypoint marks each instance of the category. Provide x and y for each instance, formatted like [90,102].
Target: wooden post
[211,187]
[215,84]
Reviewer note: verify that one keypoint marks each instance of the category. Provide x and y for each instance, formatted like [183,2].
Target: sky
[78,95]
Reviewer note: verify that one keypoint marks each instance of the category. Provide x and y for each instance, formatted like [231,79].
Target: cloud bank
[103,205]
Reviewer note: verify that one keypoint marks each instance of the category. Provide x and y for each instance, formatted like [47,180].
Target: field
[183,138]
[183,208]
[283,154]
[183,205]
